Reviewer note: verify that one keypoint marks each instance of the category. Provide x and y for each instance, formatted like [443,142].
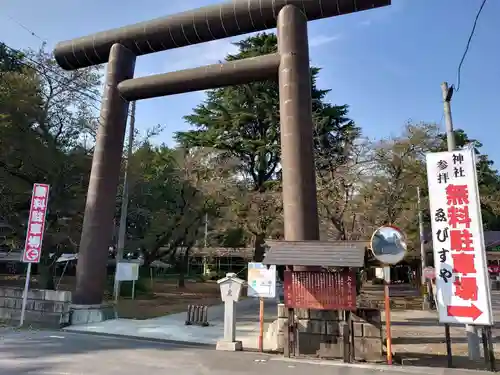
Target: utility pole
[205,265]
[422,245]
[122,230]
[473,340]
[206,229]
[447,95]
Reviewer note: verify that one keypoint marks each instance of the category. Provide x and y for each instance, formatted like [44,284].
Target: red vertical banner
[36,224]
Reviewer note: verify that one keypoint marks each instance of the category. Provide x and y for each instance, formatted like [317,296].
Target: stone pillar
[300,210]
[97,228]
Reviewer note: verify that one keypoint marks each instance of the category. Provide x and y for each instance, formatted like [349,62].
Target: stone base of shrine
[326,334]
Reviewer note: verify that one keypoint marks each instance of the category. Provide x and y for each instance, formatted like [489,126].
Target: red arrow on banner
[465,311]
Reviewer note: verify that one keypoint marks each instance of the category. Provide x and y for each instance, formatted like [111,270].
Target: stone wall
[367,335]
[326,334]
[49,308]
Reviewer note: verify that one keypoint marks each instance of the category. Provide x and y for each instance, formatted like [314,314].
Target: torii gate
[290,66]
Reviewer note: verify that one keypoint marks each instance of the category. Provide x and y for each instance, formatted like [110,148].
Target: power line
[468,44]
[44,41]
[26,28]
[80,89]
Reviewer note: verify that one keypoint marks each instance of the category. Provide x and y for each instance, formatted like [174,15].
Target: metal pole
[25,294]
[122,231]
[261,324]
[206,229]
[387,308]
[472,332]
[422,244]
[205,266]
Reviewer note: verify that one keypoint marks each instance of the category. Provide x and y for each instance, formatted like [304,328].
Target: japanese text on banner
[462,291]
[36,224]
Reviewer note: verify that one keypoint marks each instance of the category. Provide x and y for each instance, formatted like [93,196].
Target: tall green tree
[45,116]
[168,204]
[488,179]
[10,60]
[242,122]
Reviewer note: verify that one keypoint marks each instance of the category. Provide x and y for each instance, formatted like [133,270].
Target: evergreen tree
[242,122]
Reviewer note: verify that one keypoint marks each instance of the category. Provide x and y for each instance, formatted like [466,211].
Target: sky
[387,64]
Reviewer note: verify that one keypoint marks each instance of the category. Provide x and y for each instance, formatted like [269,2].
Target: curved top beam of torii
[197,26]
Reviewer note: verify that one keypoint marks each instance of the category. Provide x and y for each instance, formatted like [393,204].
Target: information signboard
[127,271]
[261,280]
[462,282]
[320,290]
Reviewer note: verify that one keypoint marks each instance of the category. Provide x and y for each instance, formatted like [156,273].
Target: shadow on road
[431,340]
[27,344]
[436,360]
[38,351]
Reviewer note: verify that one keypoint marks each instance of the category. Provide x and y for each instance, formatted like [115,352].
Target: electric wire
[469,40]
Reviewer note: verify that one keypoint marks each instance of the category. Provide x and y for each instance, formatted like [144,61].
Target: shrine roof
[315,253]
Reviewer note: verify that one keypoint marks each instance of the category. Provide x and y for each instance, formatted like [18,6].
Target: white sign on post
[36,224]
[127,271]
[34,236]
[462,282]
[261,280]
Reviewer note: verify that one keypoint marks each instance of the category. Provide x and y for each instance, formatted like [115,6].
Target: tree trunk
[46,274]
[259,248]
[181,281]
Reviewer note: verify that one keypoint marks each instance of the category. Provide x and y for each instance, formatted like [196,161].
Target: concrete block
[368,349]
[309,343]
[282,311]
[274,336]
[333,349]
[311,326]
[229,346]
[325,315]
[60,307]
[13,292]
[45,306]
[302,313]
[30,304]
[57,295]
[357,329]
[371,331]
[332,328]
[281,343]
[36,294]
[6,314]
[82,314]
[11,303]
[372,316]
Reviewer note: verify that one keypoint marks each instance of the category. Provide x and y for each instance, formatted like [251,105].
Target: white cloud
[320,40]
[215,51]
[199,55]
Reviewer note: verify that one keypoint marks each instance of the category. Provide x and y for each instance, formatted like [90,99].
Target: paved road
[57,353]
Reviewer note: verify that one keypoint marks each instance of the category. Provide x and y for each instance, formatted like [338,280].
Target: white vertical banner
[462,280]
[34,236]
[36,224]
